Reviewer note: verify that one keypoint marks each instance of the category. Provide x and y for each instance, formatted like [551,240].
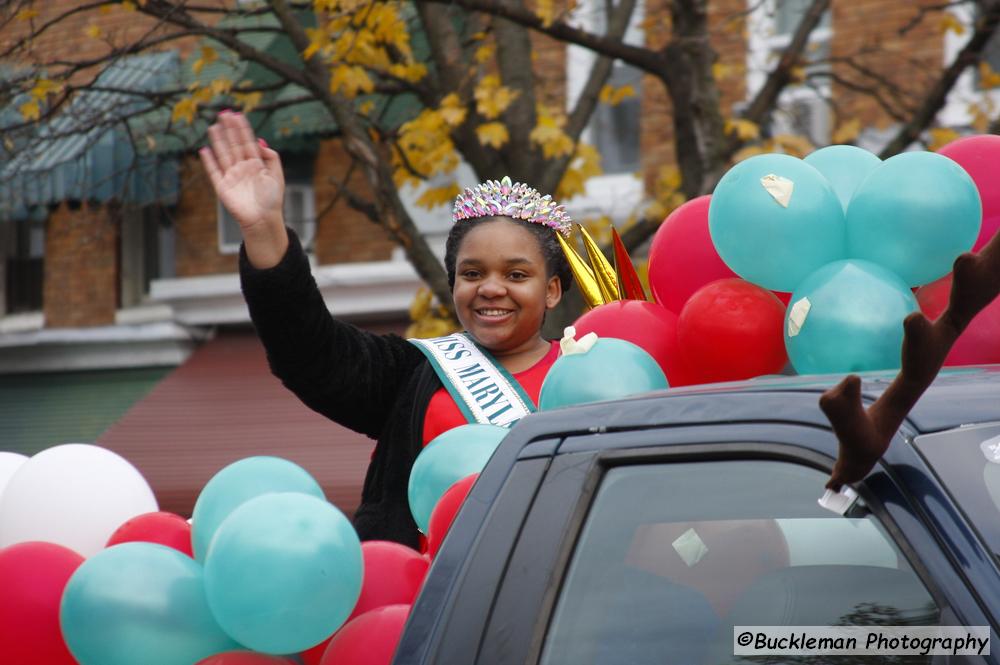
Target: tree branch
[34,34]
[781,75]
[643,58]
[583,110]
[924,10]
[454,76]
[514,61]
[891,110]
[356,202]
[391,212]
[935,99]
[699,128]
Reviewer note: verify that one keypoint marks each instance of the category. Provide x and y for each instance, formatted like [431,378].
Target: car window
[672,556]
[967,461]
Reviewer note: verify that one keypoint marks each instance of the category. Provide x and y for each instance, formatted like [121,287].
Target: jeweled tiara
[515,200]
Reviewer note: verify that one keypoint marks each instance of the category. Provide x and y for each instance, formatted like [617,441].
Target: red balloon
[32,578]
[980,341]
[731,330]
[444,512]
[161,528]
[315,655]
[783,296]
[682,257]
[650,326]
[979,155]
[986,232]
[244,658]
[369,639]
[394,574]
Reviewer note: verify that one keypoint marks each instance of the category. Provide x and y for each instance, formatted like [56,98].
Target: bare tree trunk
[698,123]
[393,214]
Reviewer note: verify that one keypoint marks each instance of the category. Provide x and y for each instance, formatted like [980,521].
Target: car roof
[958,396]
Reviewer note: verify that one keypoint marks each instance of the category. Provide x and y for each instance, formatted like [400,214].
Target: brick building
[121,320]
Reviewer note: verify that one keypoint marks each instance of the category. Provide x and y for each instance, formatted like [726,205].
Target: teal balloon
[611,369]
[854,321]
[914,215]
[238,483]
[845,167]
[139,603]
[769,244]
[444,461]
[284,572]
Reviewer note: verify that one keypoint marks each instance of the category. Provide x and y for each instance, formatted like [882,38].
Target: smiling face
[502,288]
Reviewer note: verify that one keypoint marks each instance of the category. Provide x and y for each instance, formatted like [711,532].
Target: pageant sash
[484,391]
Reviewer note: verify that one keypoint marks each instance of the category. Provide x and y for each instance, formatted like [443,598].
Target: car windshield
[673,556]
[967,461]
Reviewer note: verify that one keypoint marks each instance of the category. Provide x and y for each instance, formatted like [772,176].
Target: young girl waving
[506,270]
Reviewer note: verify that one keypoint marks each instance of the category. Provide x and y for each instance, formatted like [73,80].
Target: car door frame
[526,594]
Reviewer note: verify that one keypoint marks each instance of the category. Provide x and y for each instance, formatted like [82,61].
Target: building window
[671,557]
[299,206]
[147,252]
[24,267]
[990,57]
[802,109]
[613,130]
[789,13]
[970,104]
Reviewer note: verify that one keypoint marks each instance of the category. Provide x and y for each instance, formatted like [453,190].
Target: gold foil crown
[514,200]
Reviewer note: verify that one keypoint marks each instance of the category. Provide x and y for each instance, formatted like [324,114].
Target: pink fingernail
[262,142]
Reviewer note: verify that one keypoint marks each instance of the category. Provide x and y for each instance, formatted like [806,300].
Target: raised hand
[248,180]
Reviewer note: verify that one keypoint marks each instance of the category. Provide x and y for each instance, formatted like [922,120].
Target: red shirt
[443,414]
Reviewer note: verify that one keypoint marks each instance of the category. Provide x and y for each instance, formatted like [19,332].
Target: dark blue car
[642,531]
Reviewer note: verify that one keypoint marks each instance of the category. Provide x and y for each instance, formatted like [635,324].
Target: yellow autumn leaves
[429,319]
[425,148]
[40,90]
[361,39]
[186,108]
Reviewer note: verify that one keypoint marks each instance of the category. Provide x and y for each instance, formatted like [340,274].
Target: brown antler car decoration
[864,434]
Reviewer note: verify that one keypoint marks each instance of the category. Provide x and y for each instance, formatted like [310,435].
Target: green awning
[85,151]
[287,128]
[38,411]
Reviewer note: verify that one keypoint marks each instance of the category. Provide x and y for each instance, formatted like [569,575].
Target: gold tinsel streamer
[582,275]
[603,270]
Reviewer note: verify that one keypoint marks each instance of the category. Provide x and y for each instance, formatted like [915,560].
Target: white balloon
[9,463]
[74,495]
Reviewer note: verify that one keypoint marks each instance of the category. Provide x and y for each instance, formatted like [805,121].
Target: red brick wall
[343,234]
[196,225]
[727,27]
[869,30]
[727,24]
[656,123]
[81,272]
[68,39]
[81,280]
[550,70]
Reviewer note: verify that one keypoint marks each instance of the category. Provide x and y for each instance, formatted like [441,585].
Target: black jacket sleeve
[349,375]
